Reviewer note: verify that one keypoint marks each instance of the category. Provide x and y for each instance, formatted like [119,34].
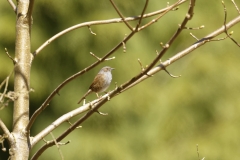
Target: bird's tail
[85,95]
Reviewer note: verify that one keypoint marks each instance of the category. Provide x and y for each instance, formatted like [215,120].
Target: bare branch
[194,36]
[236,6]
[100,59]
[120,14]
[71,123]
[62,119]
[9,136]
[225,19]
[101,113]
[116,20]
[170,8]
[168,44]
[169,72]
[143,11]
[56,143]
[186,51]
[13,5]
[14,61]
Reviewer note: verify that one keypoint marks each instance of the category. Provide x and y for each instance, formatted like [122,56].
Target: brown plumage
[100,83]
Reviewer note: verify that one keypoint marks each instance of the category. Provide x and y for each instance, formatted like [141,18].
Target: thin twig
[6,86]
[140,63]
[3,82]
[194,28]
[5,89]
[198,152]
[160,15]
[13,5]
[194,36]
[56,143]
[143,11]
[236,6]
[121,15]
[6,51]
[168,44]
[124,47]
[225,19]
[185,52]
[99,59]
[171,75]
[9,137]
[91,31]
[2,139]
[60,120]
[71,124]
[116,20]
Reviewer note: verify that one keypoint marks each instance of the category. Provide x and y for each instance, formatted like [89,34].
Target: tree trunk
[20,149]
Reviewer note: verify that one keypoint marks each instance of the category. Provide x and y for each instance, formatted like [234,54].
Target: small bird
[100,83]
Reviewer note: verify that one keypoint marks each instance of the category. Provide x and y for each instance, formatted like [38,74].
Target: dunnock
[101,82]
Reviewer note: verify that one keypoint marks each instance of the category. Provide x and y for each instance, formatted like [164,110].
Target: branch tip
[9,56]
[99,59]
[171,75]
[140,63]
[13,6]
[108,59]
[236,6]
[101,113]
[57,145]
[72,124]
[7,135]
[194,28]
[194,36]
[225,27]
[124,47]
[91,30]
[2,138]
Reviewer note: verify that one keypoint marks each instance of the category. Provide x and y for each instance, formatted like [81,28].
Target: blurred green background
[161,118]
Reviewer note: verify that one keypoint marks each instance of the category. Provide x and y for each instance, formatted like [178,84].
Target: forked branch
[225,28]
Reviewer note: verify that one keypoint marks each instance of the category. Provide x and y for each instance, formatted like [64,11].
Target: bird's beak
[112,68]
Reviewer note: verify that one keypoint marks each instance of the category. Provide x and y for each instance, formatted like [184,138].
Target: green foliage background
[162,118]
